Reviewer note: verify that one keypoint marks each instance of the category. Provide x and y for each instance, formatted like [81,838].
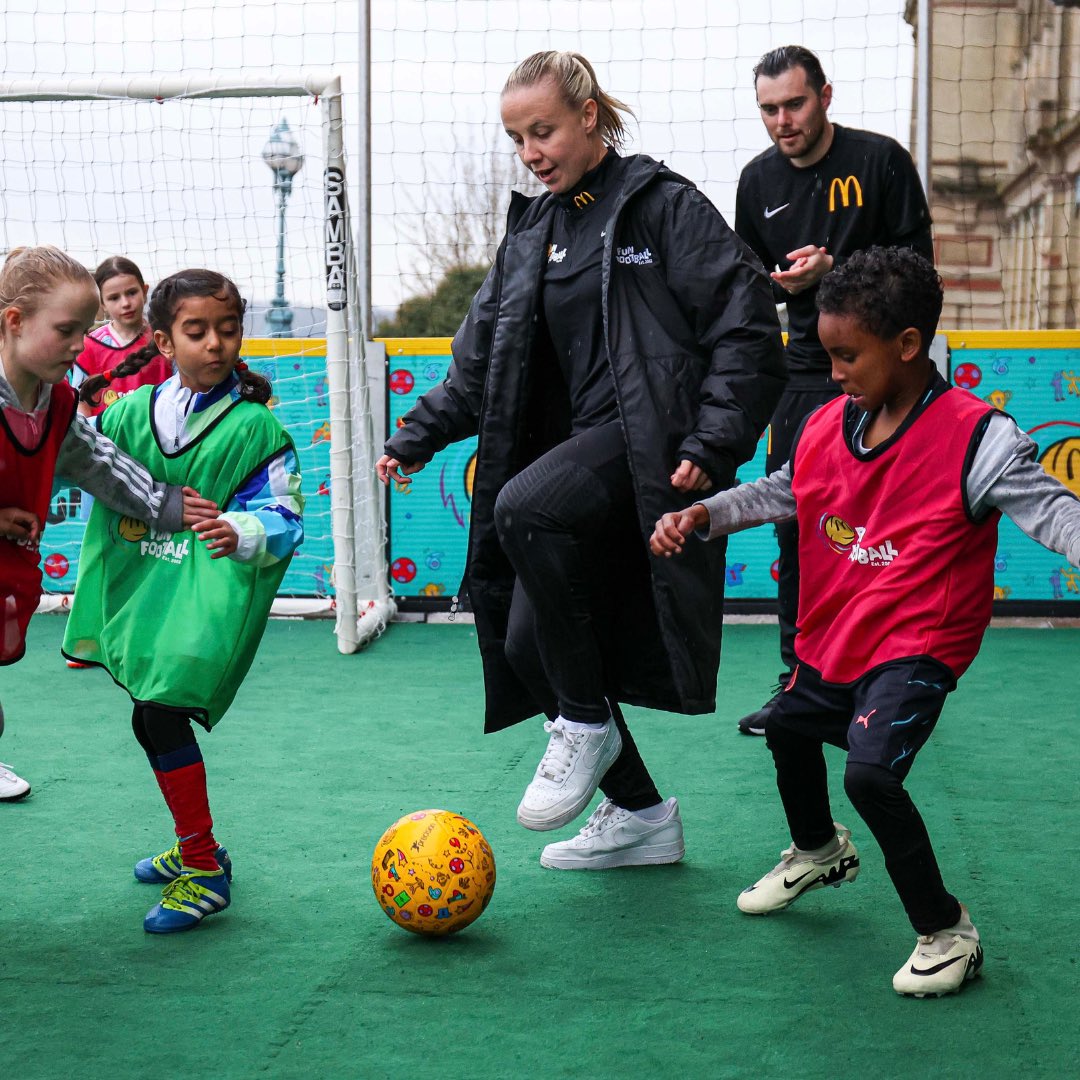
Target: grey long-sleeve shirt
[1005,474]
[96,464]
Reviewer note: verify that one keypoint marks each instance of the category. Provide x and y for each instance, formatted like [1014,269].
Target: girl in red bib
[123,298]
[897,488]
[47,303]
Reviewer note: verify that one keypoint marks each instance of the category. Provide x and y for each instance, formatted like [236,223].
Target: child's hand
[196,508]
[673,529]
[219,536]
[18,524]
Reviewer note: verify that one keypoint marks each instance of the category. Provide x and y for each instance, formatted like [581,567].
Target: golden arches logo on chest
[845,187]
[582,199]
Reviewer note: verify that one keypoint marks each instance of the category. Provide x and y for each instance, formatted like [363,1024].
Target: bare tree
[461,222]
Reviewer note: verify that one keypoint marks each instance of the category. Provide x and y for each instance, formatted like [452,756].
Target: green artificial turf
[648,972]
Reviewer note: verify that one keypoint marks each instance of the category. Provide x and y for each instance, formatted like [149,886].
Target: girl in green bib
[176,618]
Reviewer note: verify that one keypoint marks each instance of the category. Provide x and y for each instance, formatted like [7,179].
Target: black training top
[572,293]
[864,191]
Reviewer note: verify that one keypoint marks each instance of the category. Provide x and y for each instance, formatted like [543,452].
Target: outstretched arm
[738,508]
[1006,474]
[95,463]
[449,411]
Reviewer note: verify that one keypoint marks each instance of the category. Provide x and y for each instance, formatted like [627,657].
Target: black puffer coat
[698,364]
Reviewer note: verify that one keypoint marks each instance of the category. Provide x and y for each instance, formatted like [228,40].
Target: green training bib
[170,624]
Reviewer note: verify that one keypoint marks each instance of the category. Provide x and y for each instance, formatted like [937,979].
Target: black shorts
[883,719]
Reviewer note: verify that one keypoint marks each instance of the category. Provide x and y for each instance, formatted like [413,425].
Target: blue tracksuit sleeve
[267,512]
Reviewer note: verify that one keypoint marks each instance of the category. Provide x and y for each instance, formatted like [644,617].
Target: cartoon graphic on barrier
[429,522]
[1039,388]
[300,402]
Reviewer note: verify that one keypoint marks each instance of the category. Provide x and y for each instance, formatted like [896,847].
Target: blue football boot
[187,900]
[166,867]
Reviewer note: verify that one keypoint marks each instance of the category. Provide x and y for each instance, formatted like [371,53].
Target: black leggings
[882,801]
[161,730]
[552,519]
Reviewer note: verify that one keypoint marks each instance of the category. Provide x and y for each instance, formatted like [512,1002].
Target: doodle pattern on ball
[433,872]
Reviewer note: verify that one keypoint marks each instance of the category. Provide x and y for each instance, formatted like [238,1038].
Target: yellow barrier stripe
[417,346]
[1013,339]
[440,346]
[258,347]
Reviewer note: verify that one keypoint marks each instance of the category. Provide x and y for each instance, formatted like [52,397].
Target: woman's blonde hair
[29,273]
[576,80]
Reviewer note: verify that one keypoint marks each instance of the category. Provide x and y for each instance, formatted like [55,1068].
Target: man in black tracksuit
[818,195]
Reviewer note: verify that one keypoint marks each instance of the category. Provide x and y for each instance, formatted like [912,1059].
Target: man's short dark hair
[790,56]
[886,290]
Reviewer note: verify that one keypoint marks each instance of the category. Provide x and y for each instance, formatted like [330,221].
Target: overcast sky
[173,185]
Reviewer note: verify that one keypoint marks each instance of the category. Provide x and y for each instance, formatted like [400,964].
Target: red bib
[891,565]
[97,357]
[26,477]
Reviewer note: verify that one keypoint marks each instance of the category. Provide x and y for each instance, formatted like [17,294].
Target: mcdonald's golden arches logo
[582,199]
[844,187]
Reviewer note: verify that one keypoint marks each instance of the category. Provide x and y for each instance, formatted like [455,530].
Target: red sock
[160,778]
[185,792]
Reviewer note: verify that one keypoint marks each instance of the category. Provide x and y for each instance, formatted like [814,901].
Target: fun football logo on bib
[846,539]
[837,534]
[131,529]
[155,545]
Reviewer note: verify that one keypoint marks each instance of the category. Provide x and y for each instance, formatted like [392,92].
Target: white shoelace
[600,817]
[560,753]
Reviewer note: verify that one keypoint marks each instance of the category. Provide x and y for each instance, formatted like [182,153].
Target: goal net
[246,177]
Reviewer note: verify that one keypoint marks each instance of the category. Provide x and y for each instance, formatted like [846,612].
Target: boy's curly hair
[886,290]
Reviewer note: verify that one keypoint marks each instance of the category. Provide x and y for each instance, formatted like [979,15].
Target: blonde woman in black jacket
[623,352]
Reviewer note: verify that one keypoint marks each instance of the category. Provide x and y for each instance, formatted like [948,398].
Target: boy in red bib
[897,488]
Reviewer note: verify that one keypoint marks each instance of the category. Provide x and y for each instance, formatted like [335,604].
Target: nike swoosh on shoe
[936,968]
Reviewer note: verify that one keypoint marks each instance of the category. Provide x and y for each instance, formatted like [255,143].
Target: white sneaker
[941,962]
[797,873]
[12,787]
[616,837]
[568,774]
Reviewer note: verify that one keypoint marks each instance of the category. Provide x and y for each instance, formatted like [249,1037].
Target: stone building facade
[1005,161]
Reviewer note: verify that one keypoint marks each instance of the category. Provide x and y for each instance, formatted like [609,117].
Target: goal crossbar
[358,619]
[155,88]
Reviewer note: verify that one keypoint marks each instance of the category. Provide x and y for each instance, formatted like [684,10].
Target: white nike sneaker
[797,873]
[942,962]
[616,837]
[568,774]
[12,787]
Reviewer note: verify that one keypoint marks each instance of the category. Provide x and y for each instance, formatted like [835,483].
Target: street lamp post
[282,154]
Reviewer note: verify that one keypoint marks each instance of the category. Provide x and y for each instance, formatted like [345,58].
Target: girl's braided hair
[164,302]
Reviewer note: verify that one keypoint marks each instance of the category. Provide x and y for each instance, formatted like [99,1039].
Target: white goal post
[362,601]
